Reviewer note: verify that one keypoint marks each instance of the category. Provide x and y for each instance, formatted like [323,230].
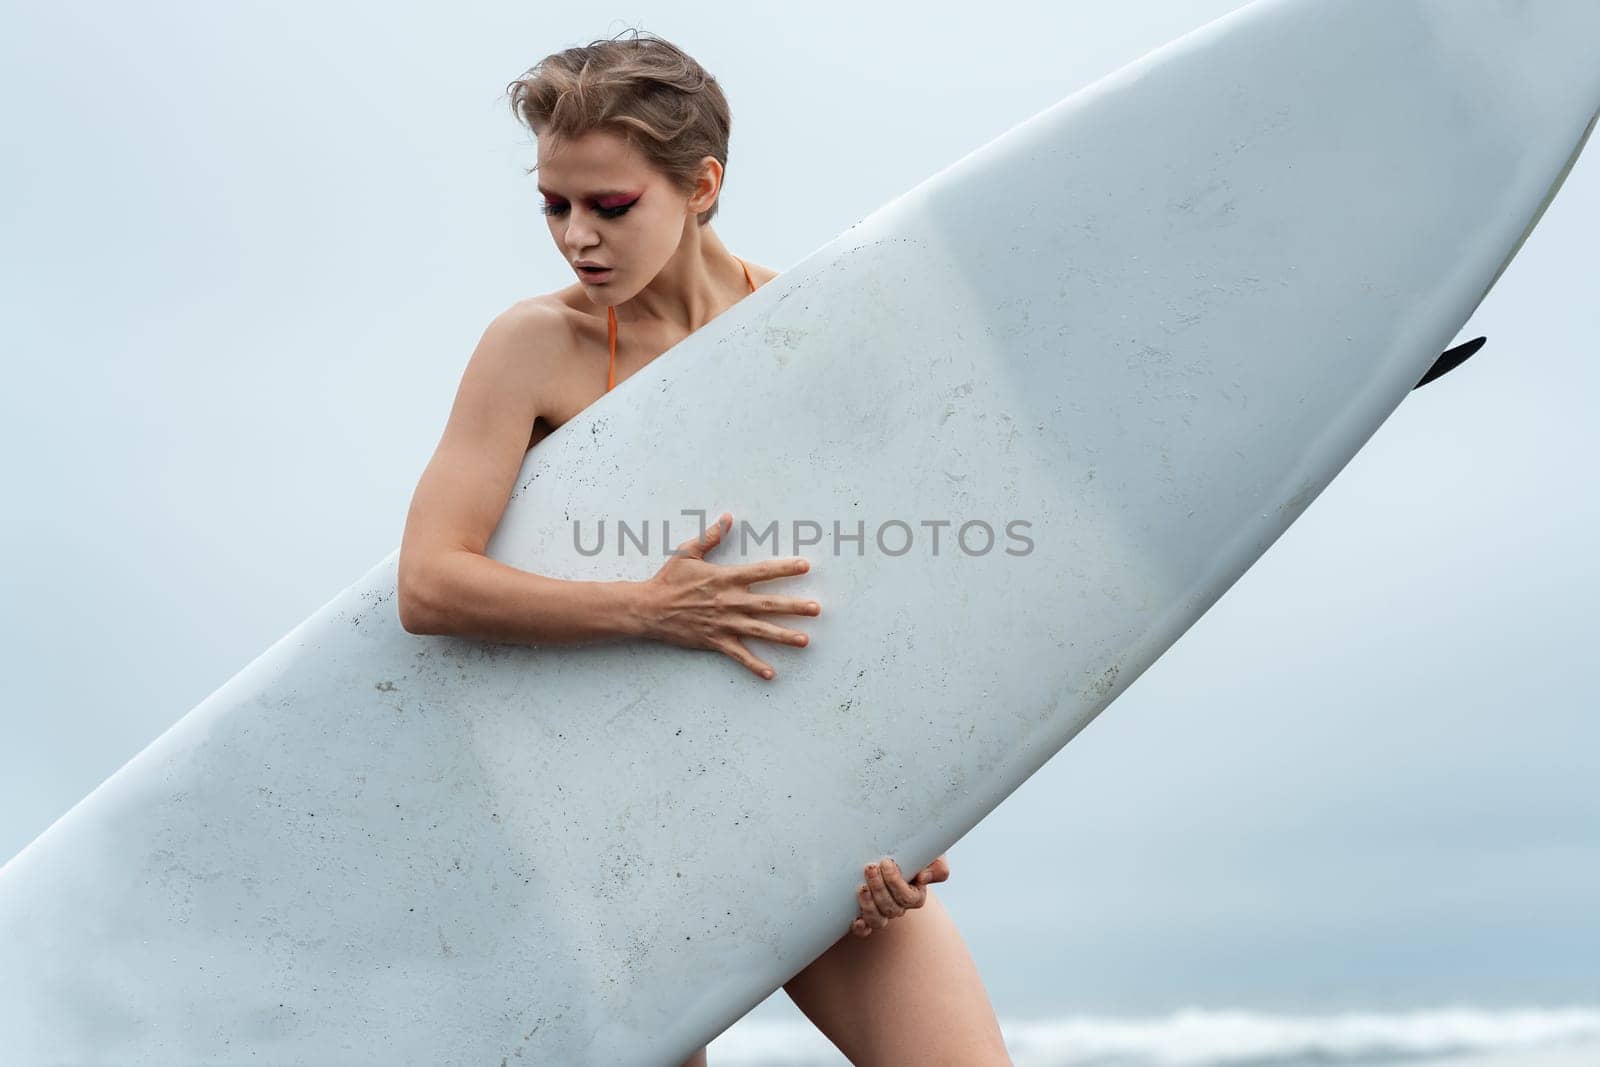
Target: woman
[632,144]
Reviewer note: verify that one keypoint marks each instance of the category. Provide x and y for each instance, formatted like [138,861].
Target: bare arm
[448,586]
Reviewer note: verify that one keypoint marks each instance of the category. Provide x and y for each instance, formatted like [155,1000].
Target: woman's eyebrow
[596,195]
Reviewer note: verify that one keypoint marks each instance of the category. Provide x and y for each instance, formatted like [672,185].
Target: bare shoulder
[523,348]
[760,273]
[533,331]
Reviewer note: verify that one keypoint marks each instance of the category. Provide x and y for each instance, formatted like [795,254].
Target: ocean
[1442,1037]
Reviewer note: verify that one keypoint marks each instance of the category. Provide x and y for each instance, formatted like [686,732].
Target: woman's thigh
[910,993]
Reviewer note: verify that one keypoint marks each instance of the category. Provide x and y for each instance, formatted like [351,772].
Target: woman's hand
[695,604]
[886,895]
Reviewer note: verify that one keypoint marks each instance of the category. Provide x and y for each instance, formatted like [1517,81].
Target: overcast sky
[248,248]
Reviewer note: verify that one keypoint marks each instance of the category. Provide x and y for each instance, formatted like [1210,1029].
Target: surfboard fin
[1450,361]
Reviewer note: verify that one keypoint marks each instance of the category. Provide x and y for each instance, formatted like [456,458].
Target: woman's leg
[910,993]
[697,1060]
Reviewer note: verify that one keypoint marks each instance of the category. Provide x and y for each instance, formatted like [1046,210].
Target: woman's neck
[699,282]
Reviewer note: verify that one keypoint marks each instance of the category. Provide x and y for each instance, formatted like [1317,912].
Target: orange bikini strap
[611,335]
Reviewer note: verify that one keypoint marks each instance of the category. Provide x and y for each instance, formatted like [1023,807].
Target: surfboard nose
[1541,57]
[1531,77]
[1539,54]
[1554,43]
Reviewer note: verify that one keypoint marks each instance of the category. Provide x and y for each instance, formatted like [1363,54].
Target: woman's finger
[698,545]
[881,896]
[766,570]
[904,894]
[937,871]
[735,649]
[869,909]
[772,632]
[782,605]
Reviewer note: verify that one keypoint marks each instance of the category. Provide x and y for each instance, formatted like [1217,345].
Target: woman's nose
[580,236]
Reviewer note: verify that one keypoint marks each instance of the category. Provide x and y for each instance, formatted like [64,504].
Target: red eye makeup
[609,205]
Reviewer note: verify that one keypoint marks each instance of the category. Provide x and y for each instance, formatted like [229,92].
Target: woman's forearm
[464,594]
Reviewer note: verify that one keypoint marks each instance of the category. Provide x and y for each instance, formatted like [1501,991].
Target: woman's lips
[590,274]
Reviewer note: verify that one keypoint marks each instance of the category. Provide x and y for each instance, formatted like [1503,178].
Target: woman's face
[607,205]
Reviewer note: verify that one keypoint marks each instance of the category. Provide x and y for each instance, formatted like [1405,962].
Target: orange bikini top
[611,328]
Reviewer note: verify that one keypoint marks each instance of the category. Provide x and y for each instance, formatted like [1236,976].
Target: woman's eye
[557,208]
[615,208]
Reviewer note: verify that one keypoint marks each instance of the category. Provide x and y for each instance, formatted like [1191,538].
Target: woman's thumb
[698,545]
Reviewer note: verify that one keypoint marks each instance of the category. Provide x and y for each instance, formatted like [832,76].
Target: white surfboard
[1117,351]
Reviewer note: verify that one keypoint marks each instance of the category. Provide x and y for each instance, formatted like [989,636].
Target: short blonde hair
[642,87]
